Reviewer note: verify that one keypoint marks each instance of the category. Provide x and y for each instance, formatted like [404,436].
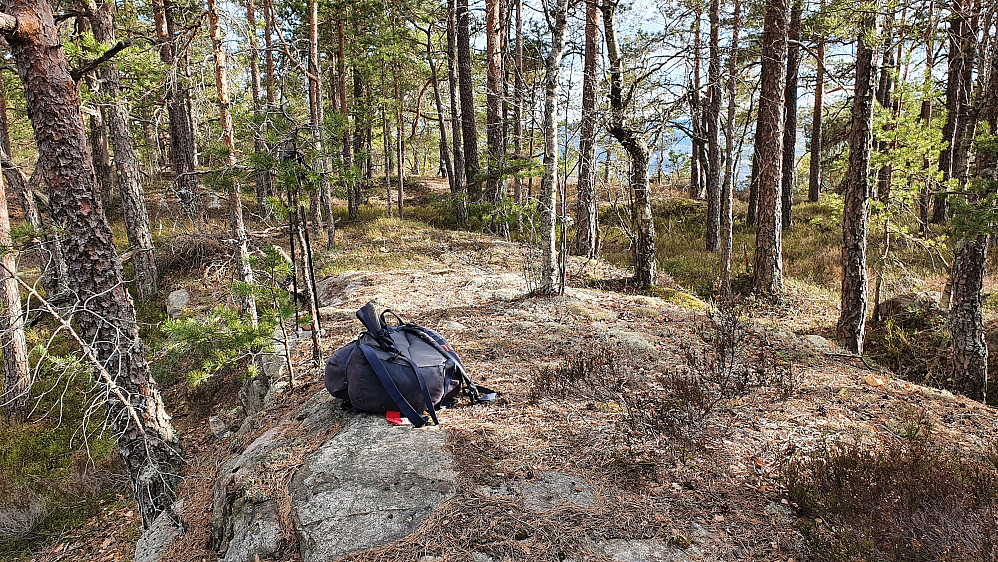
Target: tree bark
[645,263]
[353,186]
[182,143]
[264,176]
[586,217]
[727,188]
[102,156]
[133,201]
[105,313]
[713,118]
[851,326]
[884,98]
[444,148]
[247,303]
[16,373]
[469,132]
[325,192]
[459,188]
[518,97]
[495,126]
[697,188]
[790,115]
[814,181]
[769,139]
[549,185]
[969,358]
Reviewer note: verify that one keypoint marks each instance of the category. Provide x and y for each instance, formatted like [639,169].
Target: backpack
[405,368]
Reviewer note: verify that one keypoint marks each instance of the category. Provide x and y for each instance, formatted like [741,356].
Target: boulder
[372,484]
[369,484]
[911,310]
[176,301]
[155,542]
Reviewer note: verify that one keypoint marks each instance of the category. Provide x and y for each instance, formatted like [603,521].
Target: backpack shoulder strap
[392,389]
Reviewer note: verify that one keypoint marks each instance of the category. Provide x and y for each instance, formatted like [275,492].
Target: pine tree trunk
[438,102]
[586,218]
[957,71]
[769,138]
[495,131]
[814,181]
[969,358]
[106,316]
[884,98]
[182,144]
[469,132]
[353,186]
[247,303]
[16,373]
[713,118]
[325,192]
[645,264]
[696,111]
[102,156]
[264,177]
[459,188]
[851,325]
[926,115]
[4,126]
[789,167]
[133,201]
[549,185]
[518,97]
[727,188]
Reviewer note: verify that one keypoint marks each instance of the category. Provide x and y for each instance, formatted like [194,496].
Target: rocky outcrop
[333,482]
[910,310]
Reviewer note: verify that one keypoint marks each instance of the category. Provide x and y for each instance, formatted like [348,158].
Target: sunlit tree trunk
[814,181]
[645,264]
[264,177]
[133,201]
[713,118]
[495,125]
[586,218]
[248,302]
[768,267]
[851,325]
[16,374]
[549,186]
[469,132]
[444,148]
[105,314]
[182,149]
[727,187]
[353,186]
[518,98]
[459,187]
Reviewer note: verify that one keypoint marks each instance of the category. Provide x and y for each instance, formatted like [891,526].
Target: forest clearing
[718,330]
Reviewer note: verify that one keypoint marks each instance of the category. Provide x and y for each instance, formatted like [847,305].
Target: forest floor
[627,391]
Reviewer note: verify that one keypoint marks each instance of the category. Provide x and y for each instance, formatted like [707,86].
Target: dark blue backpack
[406,368]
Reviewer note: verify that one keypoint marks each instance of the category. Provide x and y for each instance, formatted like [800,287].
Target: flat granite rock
[370,485]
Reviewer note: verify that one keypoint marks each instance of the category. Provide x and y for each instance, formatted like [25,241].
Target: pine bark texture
[549,274]
[264,176]
[495,126]
[969,357]
[769,142]
[441,122]
[645,263]
[459,188]
[790,115]
[851,326]
[247,303]
[182,148]
[713,118]
[727,188]
[469,132]
[105,313]
[16,373]
[586,218]
[133,202]
[814,181]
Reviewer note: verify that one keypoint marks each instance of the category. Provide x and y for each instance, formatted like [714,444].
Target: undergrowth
[907,497]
